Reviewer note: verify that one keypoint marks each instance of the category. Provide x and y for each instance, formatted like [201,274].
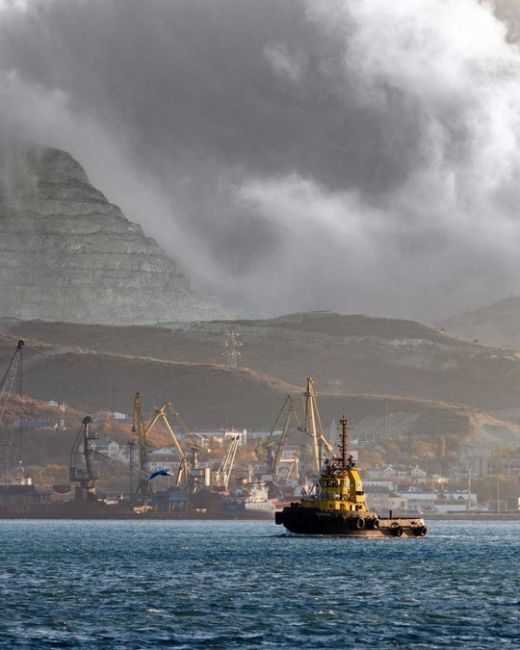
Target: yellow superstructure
[340,488]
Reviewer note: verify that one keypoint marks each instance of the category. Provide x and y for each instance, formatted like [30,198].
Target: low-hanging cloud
[359,156]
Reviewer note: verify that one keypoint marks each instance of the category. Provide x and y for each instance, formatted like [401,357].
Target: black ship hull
[312,521]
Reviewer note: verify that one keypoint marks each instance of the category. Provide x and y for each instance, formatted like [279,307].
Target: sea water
[245,584]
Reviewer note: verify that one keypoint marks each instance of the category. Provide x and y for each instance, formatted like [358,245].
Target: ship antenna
[344,441]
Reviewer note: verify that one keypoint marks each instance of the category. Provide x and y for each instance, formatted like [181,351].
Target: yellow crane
[314,428]
[274,445]
[141,430]
[223,473]
[311,427]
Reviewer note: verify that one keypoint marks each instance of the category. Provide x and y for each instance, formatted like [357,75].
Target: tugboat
[339,508]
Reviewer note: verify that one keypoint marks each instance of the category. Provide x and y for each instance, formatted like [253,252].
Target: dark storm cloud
[353,155]
[191,80]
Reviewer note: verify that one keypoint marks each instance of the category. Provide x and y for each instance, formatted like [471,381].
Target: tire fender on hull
[397,530]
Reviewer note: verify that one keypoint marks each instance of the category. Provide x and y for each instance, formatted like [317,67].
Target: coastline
[187,516]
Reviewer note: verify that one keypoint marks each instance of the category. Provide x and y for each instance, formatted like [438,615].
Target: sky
[360,156]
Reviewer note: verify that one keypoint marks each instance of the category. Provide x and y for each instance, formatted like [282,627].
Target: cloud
[359,156]
[282,63]
[14,5]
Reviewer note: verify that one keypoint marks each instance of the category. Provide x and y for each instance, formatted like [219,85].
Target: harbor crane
[11,383]
[141,430]
[314,428]
[82,469]
[274,445]
[310,426]
[138,427]
[223,473]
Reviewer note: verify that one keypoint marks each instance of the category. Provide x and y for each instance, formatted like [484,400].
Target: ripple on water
[125,585]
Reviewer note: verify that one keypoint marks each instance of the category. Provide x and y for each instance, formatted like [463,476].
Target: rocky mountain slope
[344,354]
[497,324]
[66,253]
[211,395]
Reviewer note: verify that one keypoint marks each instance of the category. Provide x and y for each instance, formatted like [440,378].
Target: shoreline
[481,516]
[129,516]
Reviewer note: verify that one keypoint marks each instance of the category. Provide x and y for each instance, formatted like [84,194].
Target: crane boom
[8,382]
[12,376]
[82,470]
[142,431]
[226,466]
[138,427]
[161,414]
[275,445]
[312,422]
[313,427]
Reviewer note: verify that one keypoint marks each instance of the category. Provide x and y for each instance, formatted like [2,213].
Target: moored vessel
[255,499]
[338,505]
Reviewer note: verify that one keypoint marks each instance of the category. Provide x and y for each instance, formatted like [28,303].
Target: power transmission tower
[231,343]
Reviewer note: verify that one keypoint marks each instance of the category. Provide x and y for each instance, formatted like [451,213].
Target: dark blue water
[244,584]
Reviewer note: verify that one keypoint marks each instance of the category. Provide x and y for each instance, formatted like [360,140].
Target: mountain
[344,354]
[497,324]
[66,253]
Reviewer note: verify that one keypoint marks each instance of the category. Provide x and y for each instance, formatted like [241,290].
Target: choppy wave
[125,585]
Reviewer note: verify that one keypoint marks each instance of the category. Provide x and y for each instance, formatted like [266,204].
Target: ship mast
[344,446]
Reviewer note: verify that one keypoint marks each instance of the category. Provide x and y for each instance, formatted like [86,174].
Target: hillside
[67,253]
[496,324]
[344,354]
[212,396]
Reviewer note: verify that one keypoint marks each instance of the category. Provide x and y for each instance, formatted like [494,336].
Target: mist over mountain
[496,324]
[361,156]
[67,253]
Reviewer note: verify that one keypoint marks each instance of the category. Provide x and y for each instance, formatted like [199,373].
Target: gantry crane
[82,469]
[142,431]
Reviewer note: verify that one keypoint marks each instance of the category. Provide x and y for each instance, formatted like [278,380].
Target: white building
[383,502]
[164,458]
[231,435]
[476,460]
[111,448]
